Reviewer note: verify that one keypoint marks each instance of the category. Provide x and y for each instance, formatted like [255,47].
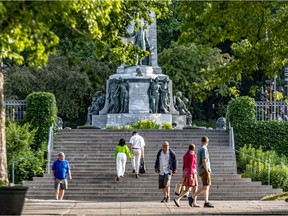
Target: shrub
[207,124]
[258,170]
[145,124]
[166,125]
[41,112]
[27,162]
[241,111]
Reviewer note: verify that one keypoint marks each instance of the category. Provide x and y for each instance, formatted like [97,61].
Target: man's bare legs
[62,191]
[166,194]
[204,190]
[59,192]
[56,193]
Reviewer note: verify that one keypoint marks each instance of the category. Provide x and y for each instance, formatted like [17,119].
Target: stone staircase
[91,157]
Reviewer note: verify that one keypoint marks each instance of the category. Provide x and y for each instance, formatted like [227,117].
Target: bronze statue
[113,101]
[141,40]
[97,104]
[164,96]
[154,95]
[123,92]
[181,107]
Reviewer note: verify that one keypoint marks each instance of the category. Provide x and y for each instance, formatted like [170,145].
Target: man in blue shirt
[60,169]
[204,170]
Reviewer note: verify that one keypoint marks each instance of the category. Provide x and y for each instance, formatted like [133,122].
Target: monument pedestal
[122,119]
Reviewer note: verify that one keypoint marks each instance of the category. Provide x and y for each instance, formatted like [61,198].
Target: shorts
[61,183]
[164,180]
[206,178]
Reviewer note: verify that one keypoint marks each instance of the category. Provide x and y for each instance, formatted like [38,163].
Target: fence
[271,111]
[15,109]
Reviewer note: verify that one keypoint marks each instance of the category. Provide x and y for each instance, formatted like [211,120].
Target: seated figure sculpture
[180,106]
[97,104]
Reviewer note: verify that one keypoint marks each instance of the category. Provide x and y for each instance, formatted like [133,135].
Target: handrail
[16,162]
[232,146]
[257,159]
[50,147]
[231,137]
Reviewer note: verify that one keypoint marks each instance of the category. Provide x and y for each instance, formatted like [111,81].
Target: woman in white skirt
[121,153]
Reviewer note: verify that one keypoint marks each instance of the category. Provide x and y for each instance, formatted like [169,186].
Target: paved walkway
[72,207]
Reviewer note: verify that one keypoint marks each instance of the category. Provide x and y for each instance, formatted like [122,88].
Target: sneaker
[133,171]
[176,203]
[208,205]
[167,199]
[163,200]
[190,201]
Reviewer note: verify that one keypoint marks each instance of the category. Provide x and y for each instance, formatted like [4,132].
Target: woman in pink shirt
[189,175]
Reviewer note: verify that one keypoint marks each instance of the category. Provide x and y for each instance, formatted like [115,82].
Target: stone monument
[140,91]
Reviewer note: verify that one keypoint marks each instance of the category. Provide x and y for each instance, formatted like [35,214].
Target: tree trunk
[3,156]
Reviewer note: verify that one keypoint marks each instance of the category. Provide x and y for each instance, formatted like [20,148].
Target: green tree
[168,28]
[255,32]
[195,70]
[73,85]
[27,32]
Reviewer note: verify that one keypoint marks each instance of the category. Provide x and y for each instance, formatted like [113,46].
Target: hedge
[41,112]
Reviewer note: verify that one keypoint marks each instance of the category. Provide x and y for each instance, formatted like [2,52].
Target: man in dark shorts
[204,170]
[166,165]
[60,169]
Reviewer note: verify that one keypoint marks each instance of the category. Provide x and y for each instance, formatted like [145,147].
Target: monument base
[121,119]
[180,120]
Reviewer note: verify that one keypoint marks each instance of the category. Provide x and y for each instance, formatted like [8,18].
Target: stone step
[148,191]
[91,157]
[146,177]
[131,196]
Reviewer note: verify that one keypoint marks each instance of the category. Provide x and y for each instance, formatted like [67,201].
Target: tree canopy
[256,33]
[27,26]
[27,34]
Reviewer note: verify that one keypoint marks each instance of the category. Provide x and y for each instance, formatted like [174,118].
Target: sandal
[176,203]
[196,205]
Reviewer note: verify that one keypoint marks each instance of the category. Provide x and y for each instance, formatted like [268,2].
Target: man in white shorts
[137,149]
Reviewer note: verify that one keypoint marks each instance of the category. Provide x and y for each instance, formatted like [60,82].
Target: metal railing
[49,150]
[50,147]
[15,109]
[257,159]
[232,146]
[13,163]
[271,111]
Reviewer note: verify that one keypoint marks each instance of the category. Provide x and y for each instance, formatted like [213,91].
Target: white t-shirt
[164,163]
[137,141]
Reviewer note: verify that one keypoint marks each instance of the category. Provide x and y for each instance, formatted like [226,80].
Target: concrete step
[91,157]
